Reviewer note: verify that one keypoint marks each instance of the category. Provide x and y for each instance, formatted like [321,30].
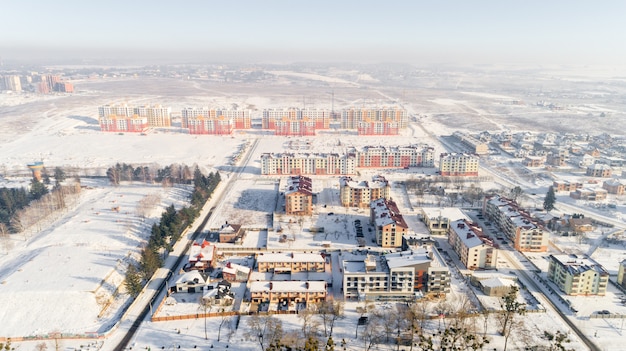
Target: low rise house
[201,256]
[291,262]
[287,292]
[235,272]
[231,233]
[599,170]
[589,194]
[613,186]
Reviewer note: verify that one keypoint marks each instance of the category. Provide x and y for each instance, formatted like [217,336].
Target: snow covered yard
[64,278]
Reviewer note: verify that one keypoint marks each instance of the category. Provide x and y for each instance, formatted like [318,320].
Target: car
[331,213]
[604,312]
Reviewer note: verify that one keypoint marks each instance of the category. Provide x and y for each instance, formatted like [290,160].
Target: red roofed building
[389,223]
[299,196]
[201,256]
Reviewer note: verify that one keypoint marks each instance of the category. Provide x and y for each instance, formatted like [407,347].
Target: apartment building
[578,275]
[474,145]
[589,194]
[156,115]
[237,119]
[361,194]
[209,125]
[299,196]
[350,118]
[294,128]
[475,249]
[11,82]
[438,220]
[378,128]
[565,186]
[621,274]
[123,124]
[287,293]
[525,233]
[458,165]
[389,224]
[308,164]
[318,118]
[599,170]
[394,157]
[290,262]
[396,276]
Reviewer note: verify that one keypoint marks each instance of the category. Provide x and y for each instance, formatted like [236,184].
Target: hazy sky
[479,31]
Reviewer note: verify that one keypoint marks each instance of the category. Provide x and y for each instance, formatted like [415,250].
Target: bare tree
[309,324]
[5,238]
[264,330]
[511,308]
[205,305]
[42,346]
[330,311]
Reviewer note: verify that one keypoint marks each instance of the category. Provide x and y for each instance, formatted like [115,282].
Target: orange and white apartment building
[299,196]
[295,122]
[156,115]
[361,194]
[214,121]
[458,165]
[525,233]
[389,223]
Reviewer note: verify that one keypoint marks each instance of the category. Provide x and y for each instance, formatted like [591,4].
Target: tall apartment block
[396,117]
[578,275]
[156,116]
[377,128]
[132,124]
[458,165]
[516,224]
[299,196]
[389,223]
[346,164]
[11,82]
[361,194]
[394,157]
[295,121]
[196,119]
[475,250]
[307,164]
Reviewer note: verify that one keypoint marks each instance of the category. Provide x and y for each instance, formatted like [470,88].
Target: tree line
[165,233]
[15,200]
[172,174]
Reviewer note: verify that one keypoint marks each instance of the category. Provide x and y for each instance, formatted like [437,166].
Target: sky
[412,31]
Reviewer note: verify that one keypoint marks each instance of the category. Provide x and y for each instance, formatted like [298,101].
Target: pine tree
[132,281]
[37,189]
[548,203]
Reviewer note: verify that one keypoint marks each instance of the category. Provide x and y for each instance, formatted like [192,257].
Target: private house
[613,186]
[598,170]
[589,194]
[190,282]
[231,233]
[235,272]
[201,256]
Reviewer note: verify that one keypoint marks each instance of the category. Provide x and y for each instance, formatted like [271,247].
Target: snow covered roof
[386,212]
[376,183]
[497,282]
[288,286]
[469,233]
[233,268]
[407,258]
[451,213]
[299,184]
[575,264]
[290,257]
[201,252]
[191,276]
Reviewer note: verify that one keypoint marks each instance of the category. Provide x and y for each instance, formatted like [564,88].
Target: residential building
[156,115]
[599,170]
[438,220]
[589,194]
[308,163]
[235,119]
[474,248]
[299,196]
[132,124]
[291,262]
[613,186]
[294,128]
[346,164]
[396,276]
[388,222]
[361,194]
[394,157]
[201,256]
[621,274]
[235,272]
[458,165]
[377,128]
[534,161]
[286,293]
[578,275]
[580,224]
[64,87]
[231,233]
[294,121]
[565,186]
[525,233]
[473,145]
[11,82]
[350,118]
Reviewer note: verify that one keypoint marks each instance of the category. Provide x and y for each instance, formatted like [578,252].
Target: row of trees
[13,200]
[172,174]
[168,230]
[402,324]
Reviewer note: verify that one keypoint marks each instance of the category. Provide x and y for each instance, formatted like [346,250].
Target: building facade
[525,233]
[290,262]
[294,121]
[613,186]
[396,276]
[621,274]
[237,119]
[388,221]
[299,196]
[132,124]
[599,170]
[394,157]
[351,118]
[576,275]
[156,115]
[307,164]
[438,220]
[458,165]
[287,292]
[475,250]
[474,145]
[361,194]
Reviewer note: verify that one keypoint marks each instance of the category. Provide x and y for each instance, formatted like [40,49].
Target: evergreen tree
[37,189]
[133,281]
[150,262]
[59,175]
[550,200]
